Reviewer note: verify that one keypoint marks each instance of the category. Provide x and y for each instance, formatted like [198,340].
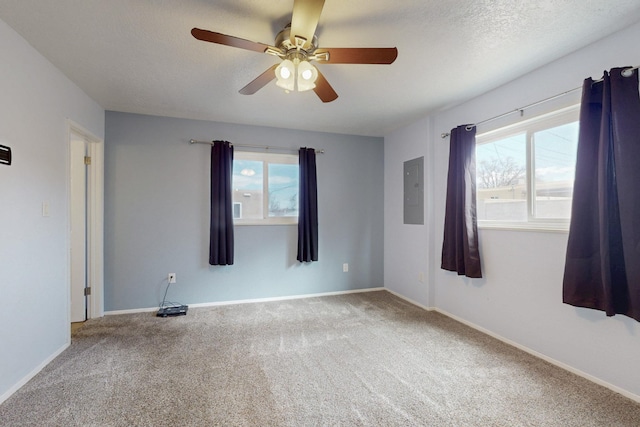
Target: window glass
[265,188]
[555,163]
[525,172]
[501,178]
[283,190]
[248,189]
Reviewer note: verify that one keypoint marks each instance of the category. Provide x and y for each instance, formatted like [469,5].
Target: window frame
[529,127]
[266,158]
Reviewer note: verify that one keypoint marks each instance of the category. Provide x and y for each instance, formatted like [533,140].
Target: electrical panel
[414,191]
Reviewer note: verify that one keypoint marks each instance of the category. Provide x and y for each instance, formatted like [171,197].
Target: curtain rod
[263,147]
[627,72]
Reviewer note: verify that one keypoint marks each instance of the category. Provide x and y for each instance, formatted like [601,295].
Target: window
[265,188]
[525,172]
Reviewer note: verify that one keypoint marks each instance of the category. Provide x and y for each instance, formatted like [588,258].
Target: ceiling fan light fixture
[307,75]
[296,75]
[285,75]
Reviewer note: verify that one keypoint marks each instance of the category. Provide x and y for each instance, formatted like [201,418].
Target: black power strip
[176,310]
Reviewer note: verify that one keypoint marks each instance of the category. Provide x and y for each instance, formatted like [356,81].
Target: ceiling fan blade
[359,55]
[219,38]
[324,90]
[306,14]
[260,81]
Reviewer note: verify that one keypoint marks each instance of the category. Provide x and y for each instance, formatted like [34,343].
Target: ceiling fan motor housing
[289,49]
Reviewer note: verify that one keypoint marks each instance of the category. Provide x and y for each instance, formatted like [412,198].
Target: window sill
[526,226]
[263,222]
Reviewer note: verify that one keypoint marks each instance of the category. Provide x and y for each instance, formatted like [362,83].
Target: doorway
[86,195]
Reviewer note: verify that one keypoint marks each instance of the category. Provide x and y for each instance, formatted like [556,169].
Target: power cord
[166,303]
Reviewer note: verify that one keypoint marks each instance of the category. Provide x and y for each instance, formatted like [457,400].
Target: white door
[78,223]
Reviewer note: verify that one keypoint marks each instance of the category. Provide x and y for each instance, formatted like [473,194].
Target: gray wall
[157,216]
[36,101]
[520,297]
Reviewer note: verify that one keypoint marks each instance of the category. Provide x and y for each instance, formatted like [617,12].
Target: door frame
[78,214]
[95,221]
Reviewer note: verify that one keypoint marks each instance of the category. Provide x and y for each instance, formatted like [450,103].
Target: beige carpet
[367,359]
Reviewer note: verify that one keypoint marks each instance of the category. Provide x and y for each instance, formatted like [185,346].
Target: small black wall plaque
[5,155]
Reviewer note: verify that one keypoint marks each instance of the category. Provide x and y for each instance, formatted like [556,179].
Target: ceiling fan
[297,46]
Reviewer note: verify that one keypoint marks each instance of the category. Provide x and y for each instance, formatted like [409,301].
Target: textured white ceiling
[139,56]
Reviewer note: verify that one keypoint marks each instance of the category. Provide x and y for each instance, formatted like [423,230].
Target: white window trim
[279,158]
[541,122]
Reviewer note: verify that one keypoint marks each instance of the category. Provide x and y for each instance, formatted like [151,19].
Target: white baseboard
[409,300]
[33,373]
[284,298]
[248,301]
[526,349]
[546,358]
[131,311]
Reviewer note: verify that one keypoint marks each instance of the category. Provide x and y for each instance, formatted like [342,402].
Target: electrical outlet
[172,277]
[345,267]
[421,277]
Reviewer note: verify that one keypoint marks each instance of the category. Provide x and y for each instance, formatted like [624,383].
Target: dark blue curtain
[221,229]
[460,252]
[308,208]
[602,269]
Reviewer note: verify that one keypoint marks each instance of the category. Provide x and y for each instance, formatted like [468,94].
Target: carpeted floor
[368,359]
